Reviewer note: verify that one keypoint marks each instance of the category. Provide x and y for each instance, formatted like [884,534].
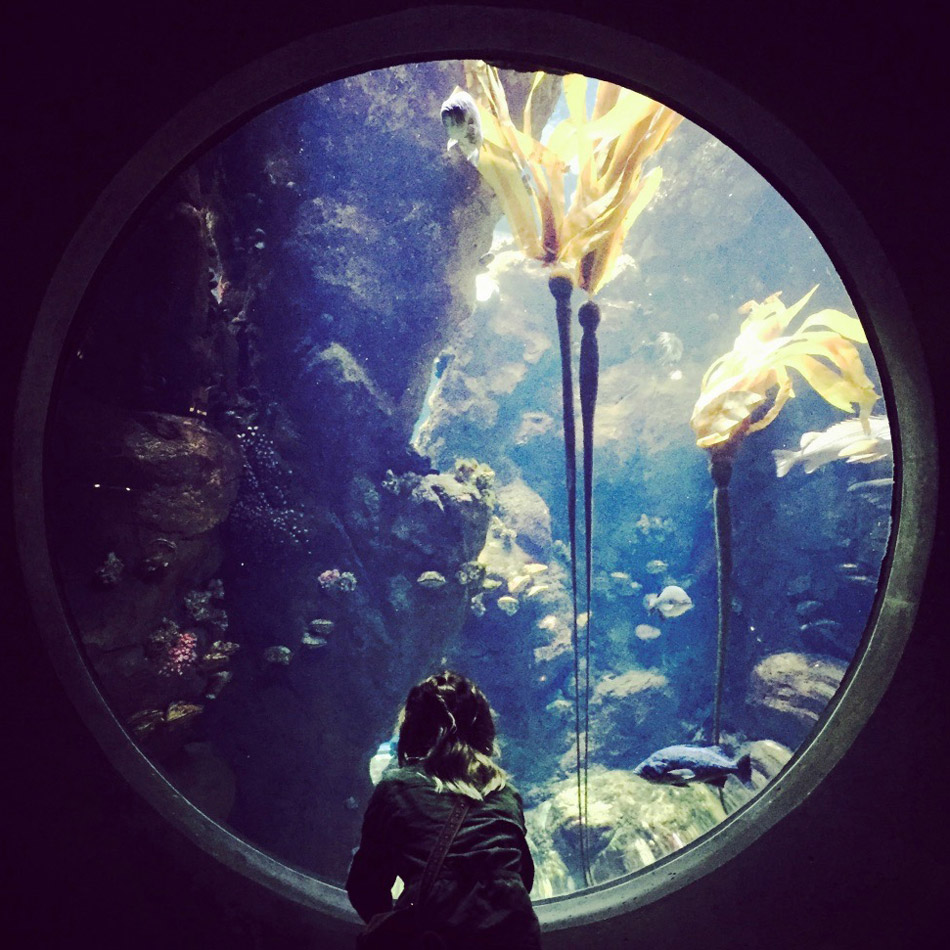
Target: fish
[672,601]
[517,584]
[669,348]
[681,764]
[509,605]
[462,124]
[656,567]
[644,631]
[873,483]
[844,440]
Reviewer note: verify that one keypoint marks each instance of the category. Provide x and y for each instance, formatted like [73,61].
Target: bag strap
[442,845]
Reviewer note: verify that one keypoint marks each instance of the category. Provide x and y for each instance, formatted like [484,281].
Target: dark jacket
[480,898]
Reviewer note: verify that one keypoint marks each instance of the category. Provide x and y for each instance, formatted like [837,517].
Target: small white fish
[535,568]
[656,567]
[872,484]
[672,601]
[508,604]
[669,348]
[844,440]
[518,584]
[644,631]
[537,589]
[462,124]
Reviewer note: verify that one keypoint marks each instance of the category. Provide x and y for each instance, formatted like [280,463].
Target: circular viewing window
[307,444]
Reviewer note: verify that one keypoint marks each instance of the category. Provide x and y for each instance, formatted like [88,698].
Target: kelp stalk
[561,289]
[720,468]
[589,317]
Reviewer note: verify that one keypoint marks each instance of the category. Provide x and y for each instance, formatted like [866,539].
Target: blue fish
[682,764]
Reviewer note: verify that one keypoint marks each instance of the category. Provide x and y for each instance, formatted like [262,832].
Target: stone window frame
[566,43]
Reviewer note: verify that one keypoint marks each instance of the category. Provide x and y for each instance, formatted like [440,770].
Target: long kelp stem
[561,288]
[589,317]
[720,468]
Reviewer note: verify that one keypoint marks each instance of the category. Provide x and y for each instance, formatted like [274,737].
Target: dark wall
[863,861]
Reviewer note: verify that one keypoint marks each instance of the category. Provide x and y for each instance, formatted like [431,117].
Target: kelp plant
[577,234]
[745,390]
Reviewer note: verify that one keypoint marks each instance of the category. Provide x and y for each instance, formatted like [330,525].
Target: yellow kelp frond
[606,150]
[755,374]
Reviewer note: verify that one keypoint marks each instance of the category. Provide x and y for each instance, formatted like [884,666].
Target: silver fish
[844,440]
[462,124]
[672,601]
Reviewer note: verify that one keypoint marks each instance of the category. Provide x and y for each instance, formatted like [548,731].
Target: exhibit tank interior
[448,366]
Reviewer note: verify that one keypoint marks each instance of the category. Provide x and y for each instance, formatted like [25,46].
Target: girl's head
[448,726]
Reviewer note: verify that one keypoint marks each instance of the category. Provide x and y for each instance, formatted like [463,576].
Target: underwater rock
[192,470]
[109,572]
[477,605]
[471,572]
[350,405]
[217,683]
[443,519]
[278,655]
[533,425]
[431,580]
[826,636]
[631,824]
[158,560]
[201,609]
[629,711]
[471,470]
[789,691]
[316,634]
[526,513]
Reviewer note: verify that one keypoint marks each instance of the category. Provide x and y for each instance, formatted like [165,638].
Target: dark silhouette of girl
[447,748]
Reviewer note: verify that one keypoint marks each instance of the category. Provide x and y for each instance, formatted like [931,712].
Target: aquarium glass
[308,443]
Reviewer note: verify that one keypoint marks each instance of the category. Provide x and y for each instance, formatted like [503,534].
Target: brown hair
[448,727]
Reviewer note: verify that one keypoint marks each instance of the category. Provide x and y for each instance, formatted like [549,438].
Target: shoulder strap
[442,845]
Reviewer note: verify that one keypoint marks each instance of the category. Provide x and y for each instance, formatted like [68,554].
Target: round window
[514,371]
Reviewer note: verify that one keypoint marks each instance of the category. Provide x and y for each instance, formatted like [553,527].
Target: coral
[175,651]
[109,573]
[159,559]
[180,655]
[334,580]
[200,607]
[278,655]
[218,656]
[263,514]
